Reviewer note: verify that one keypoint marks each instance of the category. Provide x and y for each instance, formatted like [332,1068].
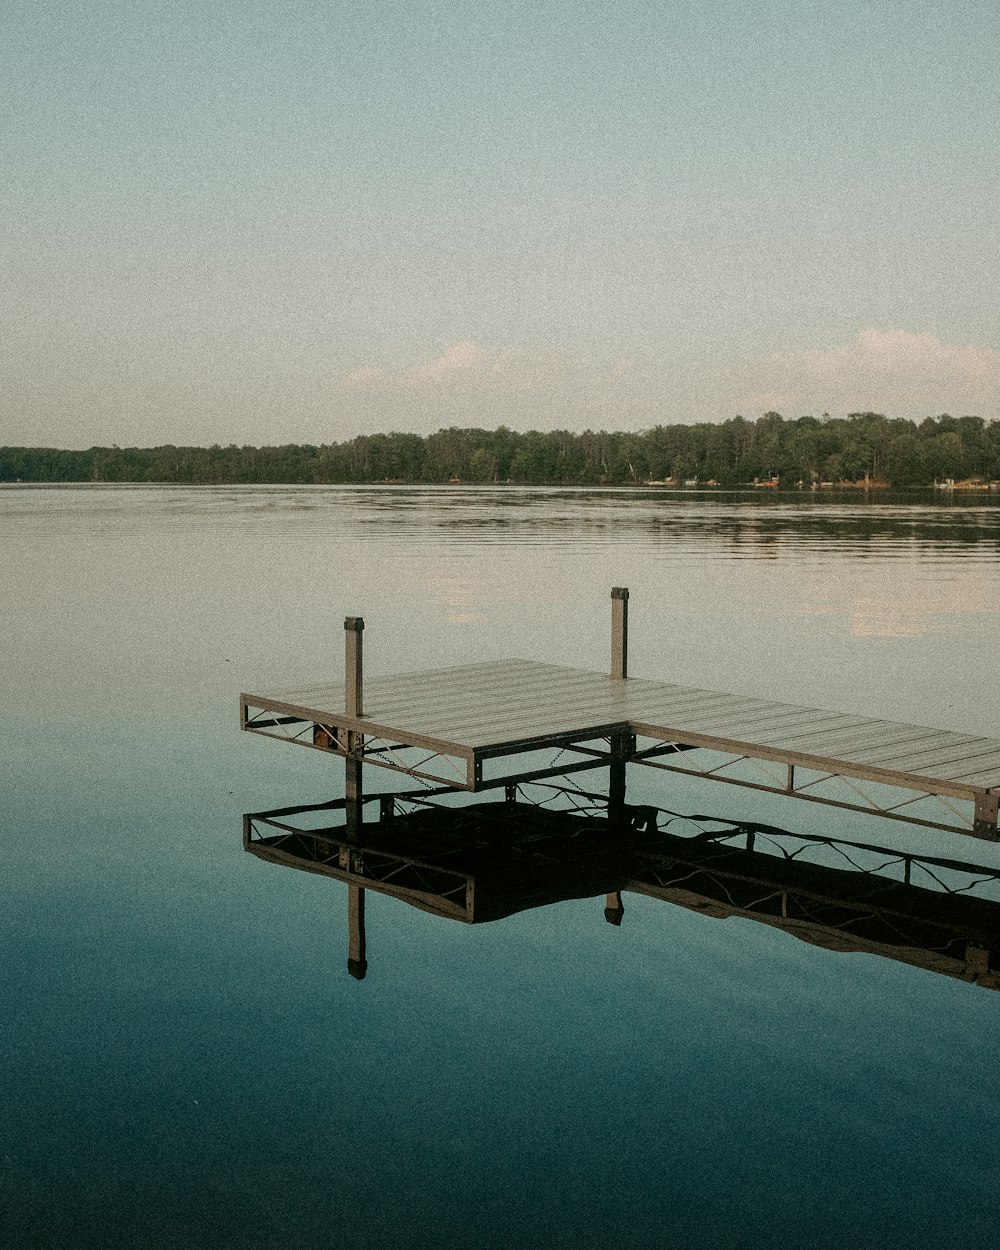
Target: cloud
[459,361]
[467,368]
[363,377]
[462,364]
[894,371]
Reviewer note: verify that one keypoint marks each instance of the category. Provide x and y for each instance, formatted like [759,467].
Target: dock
[480,726]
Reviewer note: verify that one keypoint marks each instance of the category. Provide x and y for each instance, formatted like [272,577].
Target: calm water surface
[187,1062]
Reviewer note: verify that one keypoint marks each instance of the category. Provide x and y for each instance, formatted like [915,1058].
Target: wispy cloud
[469,368]
[894,371]
[462,365]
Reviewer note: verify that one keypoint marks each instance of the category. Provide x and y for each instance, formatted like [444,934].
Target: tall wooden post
[619,631]
[353,706]
[353,665]
[621,739]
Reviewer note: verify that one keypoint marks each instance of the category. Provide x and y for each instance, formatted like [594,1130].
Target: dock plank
[765,726]
[518,693]
[956,770]
[937,751]
[987,780]
[872,738]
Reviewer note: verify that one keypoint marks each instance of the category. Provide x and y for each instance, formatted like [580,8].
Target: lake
[187,1061]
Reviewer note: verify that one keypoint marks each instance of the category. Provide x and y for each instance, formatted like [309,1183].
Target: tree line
[862,447]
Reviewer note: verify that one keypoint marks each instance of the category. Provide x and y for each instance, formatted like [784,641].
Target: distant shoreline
[862,452]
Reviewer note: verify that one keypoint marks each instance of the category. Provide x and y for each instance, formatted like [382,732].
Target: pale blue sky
[296,222]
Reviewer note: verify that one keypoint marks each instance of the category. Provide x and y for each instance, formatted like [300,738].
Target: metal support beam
[619,631]
[622,748]
[985,829]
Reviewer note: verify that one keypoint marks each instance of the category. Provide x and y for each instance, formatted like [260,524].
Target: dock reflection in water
[545,844]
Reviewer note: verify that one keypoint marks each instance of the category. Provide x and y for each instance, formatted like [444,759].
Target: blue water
[187,1062]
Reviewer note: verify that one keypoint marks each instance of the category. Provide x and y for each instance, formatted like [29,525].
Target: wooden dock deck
[456,726]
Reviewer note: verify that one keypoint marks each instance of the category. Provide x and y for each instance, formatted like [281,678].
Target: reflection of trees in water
[748,528]
[698,525]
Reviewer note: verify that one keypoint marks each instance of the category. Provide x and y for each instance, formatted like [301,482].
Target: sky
[297,222]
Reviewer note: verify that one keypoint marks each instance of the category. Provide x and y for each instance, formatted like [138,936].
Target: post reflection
[477,862]
[357,964]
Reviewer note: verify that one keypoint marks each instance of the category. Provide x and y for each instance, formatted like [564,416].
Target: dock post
[621,739]
[353,665]
[985,819]
[619,631]
[353,706]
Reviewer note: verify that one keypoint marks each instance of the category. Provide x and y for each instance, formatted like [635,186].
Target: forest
[863,447]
